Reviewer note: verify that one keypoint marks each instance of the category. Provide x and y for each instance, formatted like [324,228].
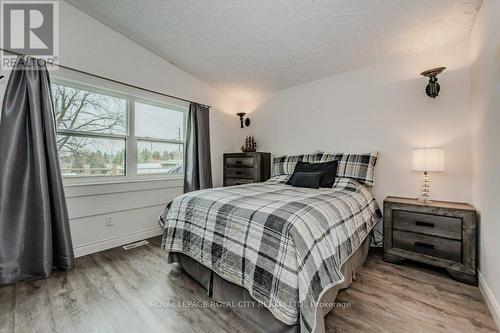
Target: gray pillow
[307,179]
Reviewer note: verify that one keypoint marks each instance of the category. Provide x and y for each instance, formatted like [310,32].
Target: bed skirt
[259,317]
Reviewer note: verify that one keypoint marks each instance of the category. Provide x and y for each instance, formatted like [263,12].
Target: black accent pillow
[328,170]
[307,179]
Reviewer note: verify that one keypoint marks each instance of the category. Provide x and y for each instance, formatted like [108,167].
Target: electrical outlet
[109,221]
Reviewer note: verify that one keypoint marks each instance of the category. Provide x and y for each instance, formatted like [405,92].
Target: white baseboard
[490,300]
[116,241]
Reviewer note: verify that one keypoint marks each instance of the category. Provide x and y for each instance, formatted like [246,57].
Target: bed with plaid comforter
[284,244]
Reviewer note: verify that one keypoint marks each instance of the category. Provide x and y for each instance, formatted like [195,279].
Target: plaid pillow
[282,179]
[360,167]
[285,164]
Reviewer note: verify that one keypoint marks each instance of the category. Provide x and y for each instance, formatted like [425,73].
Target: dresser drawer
[433,246]
[434,225]
[237,181]
[239,161]
[240,173]
[245,168]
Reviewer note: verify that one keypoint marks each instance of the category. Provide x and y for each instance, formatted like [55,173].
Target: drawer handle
[239,162]
[424,245]
[239,172]
[424,224]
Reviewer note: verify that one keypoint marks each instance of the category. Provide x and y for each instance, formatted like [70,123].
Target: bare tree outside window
[87,123]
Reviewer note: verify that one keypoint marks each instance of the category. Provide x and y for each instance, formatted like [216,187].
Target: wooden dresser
[246,168]
[439,233]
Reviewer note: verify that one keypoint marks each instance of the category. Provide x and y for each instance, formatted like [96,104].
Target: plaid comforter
[284,244]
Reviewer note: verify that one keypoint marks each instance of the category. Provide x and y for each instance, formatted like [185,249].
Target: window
[92,131]
[91,156]
[159,134]
[95,140]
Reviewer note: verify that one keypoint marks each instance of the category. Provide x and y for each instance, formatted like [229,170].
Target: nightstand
[246,168]
[439,233]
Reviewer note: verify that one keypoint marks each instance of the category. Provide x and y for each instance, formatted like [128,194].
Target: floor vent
[134,245]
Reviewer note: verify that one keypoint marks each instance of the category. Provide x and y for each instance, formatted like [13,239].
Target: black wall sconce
[433,87]
[243,121]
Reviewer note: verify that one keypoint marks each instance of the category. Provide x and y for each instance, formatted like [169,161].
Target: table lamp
[427,160]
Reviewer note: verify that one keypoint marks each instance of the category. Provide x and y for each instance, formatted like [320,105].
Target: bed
[277,254]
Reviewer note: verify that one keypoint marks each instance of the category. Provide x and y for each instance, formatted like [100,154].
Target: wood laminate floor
[122,291]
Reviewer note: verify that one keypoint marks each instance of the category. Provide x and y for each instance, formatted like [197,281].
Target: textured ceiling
[249,47]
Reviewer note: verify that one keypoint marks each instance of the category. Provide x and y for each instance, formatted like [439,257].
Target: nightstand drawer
[238,181]
[433,246]
[240,173]
[443,226]
[239,161]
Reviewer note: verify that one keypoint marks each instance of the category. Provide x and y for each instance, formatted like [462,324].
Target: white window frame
[131,140]
[136,138]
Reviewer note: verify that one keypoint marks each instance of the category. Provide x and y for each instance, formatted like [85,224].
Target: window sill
[82,189]
[78,182]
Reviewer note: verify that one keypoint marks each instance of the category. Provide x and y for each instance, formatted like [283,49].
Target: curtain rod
[112,80]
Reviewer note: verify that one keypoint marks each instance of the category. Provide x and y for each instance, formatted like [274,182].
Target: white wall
[381,107]
[485,52]
[134,207]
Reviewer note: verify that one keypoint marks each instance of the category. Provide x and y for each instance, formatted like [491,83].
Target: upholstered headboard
[360,167]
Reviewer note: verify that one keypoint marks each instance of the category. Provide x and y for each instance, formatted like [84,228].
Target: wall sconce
[433,88]
[243,121]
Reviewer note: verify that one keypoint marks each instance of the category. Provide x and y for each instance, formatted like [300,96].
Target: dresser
[246,168]
[440,233]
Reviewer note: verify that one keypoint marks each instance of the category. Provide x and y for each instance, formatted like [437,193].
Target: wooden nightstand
[440,233]
[246,168]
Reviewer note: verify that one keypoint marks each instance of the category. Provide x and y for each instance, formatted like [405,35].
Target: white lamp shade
[428,159]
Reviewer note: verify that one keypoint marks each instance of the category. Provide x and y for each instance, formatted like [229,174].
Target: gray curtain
[198,168]
[34,225]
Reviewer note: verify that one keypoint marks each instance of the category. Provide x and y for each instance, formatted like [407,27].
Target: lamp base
[424,200]
[425,189]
